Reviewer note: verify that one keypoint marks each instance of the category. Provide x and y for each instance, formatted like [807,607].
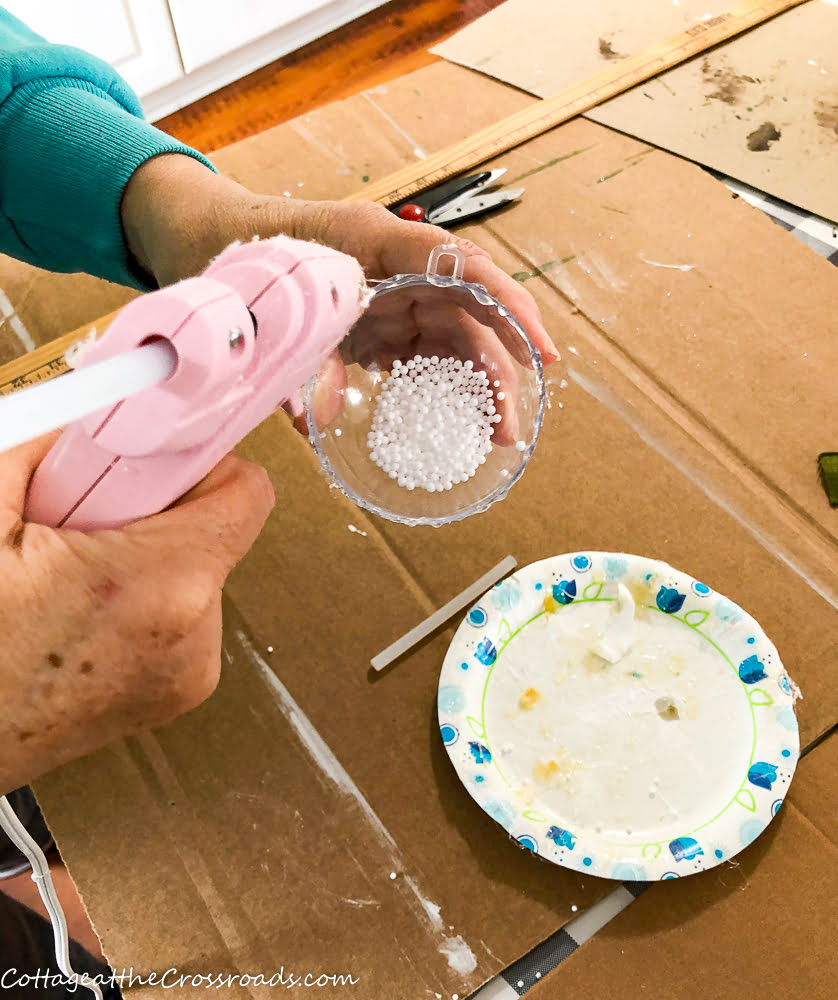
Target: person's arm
[178,216]
[71,135]
[83,186]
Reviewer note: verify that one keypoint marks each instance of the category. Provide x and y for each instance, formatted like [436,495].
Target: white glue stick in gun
[242,339]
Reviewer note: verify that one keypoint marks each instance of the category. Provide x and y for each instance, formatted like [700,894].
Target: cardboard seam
[451,946]
[418,151]
[22,300]
[711,441]
[814,743]
[192,859]
[710,486]
[374,533]
[821,833]
[831,733]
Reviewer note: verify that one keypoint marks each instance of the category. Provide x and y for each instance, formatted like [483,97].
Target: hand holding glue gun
[119,630]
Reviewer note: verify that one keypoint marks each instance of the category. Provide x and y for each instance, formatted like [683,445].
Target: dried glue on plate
[621,631]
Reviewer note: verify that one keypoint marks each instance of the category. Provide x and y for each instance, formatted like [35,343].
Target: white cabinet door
[134,36]
[206,30]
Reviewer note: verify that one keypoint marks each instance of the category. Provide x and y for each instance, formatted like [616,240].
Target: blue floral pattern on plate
[552,585]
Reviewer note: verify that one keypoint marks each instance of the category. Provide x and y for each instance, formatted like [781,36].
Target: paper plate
[665,763]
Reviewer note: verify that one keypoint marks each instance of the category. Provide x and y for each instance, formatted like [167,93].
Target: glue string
[43,879]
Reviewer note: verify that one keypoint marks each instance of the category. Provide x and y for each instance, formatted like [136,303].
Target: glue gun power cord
[41,877]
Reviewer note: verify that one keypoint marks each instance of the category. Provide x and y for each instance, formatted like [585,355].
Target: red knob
[412,213]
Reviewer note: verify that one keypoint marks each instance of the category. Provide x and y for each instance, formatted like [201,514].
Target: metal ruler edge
[47,361]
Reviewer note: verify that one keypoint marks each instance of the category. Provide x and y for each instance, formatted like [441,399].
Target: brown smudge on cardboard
[549,163]
[606,50]
[677,114]
[826,115]
[729,85]
[761,138]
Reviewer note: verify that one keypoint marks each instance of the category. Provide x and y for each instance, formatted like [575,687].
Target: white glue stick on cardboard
[455,605]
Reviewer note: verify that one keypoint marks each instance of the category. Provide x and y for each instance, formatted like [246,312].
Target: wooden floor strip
[384,44]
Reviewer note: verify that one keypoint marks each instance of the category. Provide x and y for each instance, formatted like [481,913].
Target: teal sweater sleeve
[71,134]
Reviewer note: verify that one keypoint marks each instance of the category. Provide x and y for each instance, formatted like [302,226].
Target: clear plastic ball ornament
[439,316]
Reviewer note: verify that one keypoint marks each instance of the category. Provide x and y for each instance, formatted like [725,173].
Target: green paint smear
[609,176]
[551,264]
[828,465]
[365,178]
[485,59]
[550,163]
[663,83]
[645,152]
[541,269]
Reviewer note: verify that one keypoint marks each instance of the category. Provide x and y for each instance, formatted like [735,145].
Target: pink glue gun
[247,334]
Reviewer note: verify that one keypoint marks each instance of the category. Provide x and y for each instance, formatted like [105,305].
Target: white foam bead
[431,427]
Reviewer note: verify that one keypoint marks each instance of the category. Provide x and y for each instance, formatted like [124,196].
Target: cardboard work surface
[695,391]
[761,926]
[762,107]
